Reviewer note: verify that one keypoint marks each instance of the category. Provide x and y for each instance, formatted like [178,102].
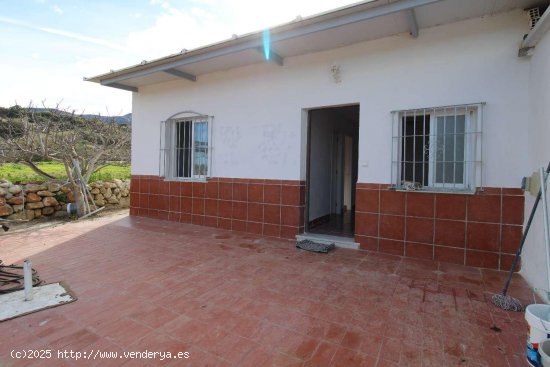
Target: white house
[405,126]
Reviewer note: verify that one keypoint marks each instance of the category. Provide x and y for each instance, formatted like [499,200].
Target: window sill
[185,179]
[430,190]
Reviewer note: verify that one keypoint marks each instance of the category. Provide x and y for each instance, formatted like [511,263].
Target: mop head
[314,246]
[507,303]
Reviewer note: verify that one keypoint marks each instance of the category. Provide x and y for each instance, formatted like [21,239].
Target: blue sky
[49,46]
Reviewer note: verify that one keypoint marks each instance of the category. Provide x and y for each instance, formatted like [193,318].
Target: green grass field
[20,172]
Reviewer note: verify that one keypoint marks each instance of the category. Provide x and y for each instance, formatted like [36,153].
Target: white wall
[258,109]
[534,253]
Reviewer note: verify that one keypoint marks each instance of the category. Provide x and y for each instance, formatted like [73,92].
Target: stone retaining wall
[27,201]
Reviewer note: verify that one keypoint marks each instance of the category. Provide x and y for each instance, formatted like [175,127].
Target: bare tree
[32,134]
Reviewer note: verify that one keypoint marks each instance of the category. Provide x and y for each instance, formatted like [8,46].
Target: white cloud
[57,9]
[163,3]
[173,31]
[209,21]
[63,82]
[198,12]
[204,22]
[65,34]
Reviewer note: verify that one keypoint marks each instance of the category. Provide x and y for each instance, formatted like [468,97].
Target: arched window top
[191,115]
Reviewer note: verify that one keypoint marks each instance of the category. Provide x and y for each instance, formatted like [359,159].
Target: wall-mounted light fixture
[336,73]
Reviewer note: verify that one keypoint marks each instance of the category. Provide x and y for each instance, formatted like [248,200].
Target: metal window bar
[437,147]
[169,146]
[454,149]
[197,149]
[404,145]
[470,117]
[188,151]
[445,141]
[178,129]
[478,144]
[425,151]
[393,145]
[416,160]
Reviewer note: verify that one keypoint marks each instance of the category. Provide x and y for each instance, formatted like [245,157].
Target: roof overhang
[348,25]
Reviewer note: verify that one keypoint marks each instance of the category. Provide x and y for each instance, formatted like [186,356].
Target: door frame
[308,171]
[308,154]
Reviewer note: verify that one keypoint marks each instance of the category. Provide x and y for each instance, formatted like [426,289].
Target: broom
[502,300]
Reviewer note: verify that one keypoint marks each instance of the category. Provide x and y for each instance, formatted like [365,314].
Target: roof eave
[316,23]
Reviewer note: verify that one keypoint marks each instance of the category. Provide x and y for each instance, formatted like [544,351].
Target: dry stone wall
[27,201]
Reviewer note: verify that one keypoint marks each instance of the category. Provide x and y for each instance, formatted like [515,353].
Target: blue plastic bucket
[538,318]
[544,352]
[71,209]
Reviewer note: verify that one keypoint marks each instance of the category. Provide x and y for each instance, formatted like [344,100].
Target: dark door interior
[333,143]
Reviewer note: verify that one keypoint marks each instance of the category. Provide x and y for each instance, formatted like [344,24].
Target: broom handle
[531,216]
[546,231]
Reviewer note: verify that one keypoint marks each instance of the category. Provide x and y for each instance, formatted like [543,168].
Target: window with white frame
[185,146]
[437,148]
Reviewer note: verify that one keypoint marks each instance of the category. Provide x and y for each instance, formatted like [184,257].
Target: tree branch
[38,170]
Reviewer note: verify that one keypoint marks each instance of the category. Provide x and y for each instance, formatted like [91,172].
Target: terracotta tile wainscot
[481,229]
[267,207]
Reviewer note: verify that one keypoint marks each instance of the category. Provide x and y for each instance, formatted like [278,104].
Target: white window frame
[466,174]
[167,161]
[472,147]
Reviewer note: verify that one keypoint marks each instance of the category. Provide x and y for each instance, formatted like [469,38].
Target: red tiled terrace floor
[235,299]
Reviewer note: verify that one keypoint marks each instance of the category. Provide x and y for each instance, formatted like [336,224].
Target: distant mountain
[122,120]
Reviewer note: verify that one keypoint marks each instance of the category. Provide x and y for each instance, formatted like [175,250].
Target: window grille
[437,148]
[185,141]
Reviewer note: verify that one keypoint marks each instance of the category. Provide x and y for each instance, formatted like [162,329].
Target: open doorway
[333,144]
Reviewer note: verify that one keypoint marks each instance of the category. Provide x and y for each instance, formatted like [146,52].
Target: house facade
[404,126]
